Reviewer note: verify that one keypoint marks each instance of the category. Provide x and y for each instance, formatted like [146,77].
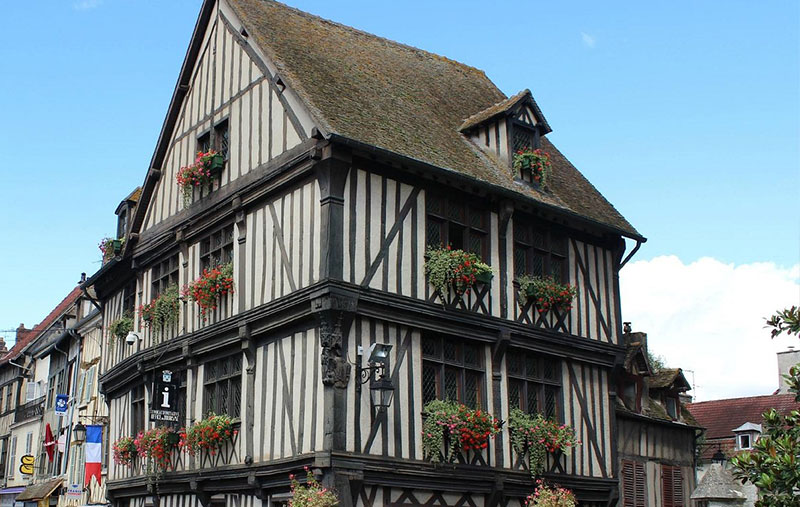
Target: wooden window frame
[129,297]
[222,138]
[163,274]
[217,248]
[223,402]
[671,483]
[547,243]
[473,223]
[458,366]
[530,130]
[527,379]
[138,406]
[633,483]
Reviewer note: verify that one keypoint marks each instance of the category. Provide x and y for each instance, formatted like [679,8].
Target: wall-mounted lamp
[718,457]
[79,434]
[380,386]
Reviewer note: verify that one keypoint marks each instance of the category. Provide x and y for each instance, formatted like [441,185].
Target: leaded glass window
[534,383]
[454,223]
[217,248]
[539,251]
[452,369]
[223,386]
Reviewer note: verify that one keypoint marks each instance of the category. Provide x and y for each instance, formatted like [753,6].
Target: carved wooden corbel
[335,310]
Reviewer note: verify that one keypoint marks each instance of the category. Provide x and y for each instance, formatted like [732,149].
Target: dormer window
[744,442]
[672,407]
[122,223]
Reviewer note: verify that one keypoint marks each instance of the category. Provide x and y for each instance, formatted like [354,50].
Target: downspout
[635,249]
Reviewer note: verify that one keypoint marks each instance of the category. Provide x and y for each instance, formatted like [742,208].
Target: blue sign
[61,404]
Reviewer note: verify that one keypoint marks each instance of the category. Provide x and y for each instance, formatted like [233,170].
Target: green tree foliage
[774,464]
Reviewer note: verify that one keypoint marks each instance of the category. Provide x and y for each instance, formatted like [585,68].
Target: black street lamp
[79,434]
[380,385]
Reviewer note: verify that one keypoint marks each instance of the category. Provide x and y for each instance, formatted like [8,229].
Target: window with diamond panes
[223,386]
[164,274]
[451,222]
[217,248]
[523,139]
[539,251]
[204,142]
[452,370]
[534,383]
[221,138]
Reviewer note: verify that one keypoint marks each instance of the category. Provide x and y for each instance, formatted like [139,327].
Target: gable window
[671,486]
[451,222]
[523,137]
[137,410]
[217,248]
[164,274]
[539,251]
[223,386]
[122,223]
[672,407]
[634,479]
[534,383]
[452,369]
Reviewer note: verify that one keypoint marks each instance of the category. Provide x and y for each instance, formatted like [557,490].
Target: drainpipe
[635,249]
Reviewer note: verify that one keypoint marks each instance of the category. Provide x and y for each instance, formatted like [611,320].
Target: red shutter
[672,486]
[633,484]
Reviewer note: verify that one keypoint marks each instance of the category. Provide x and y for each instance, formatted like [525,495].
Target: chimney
[786,360]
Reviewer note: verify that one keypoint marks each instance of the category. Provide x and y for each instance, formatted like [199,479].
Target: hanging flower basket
[125,451]
[120,328]
[312,493]
[446,268]
[207,166]
[156,446]
[210,434]
[550,496]
[212,285]
[161,311]
[536,161]
[546,293]
[450,426]
[534,436]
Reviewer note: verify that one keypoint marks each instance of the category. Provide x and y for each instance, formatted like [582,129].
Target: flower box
[209,434]
[545,293]
[216,164]
[213,284]
[536,161]
[446,268]
[450,427]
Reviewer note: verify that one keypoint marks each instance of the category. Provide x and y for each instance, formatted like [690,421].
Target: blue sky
[686,115]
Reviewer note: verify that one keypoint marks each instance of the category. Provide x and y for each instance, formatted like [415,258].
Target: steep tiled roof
[404,100]
[51,317]
[720,417]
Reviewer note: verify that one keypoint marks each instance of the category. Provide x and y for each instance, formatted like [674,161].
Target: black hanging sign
[164,404]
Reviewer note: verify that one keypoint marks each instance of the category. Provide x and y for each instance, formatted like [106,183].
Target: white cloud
[708,317]
[85,5]
[588,40]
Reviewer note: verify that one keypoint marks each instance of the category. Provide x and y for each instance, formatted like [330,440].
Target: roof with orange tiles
[30,335]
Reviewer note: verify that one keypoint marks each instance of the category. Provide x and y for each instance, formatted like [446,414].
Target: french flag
[94,450]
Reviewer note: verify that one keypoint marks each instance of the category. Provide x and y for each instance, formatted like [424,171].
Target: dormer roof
[506,107]
[748,426]
[669,378]
[131,200]
[636,361]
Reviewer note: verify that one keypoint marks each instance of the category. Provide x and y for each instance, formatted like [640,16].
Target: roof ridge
[378,37]
[508,100]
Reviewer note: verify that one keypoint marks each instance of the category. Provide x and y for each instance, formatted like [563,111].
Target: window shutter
[672,486]
[89,389]
[633,484]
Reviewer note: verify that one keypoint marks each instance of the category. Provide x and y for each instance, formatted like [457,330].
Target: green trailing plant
[537,161]
[546,293]
[312,493]
[161,311]
[468,429]
[546,495]
[120,328]
[110,247]
[446,268]
[209,434]
[534,436]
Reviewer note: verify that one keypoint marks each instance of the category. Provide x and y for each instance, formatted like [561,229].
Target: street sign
[61,404]
[26,466]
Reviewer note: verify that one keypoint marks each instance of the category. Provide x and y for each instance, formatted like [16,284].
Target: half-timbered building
[345,157]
